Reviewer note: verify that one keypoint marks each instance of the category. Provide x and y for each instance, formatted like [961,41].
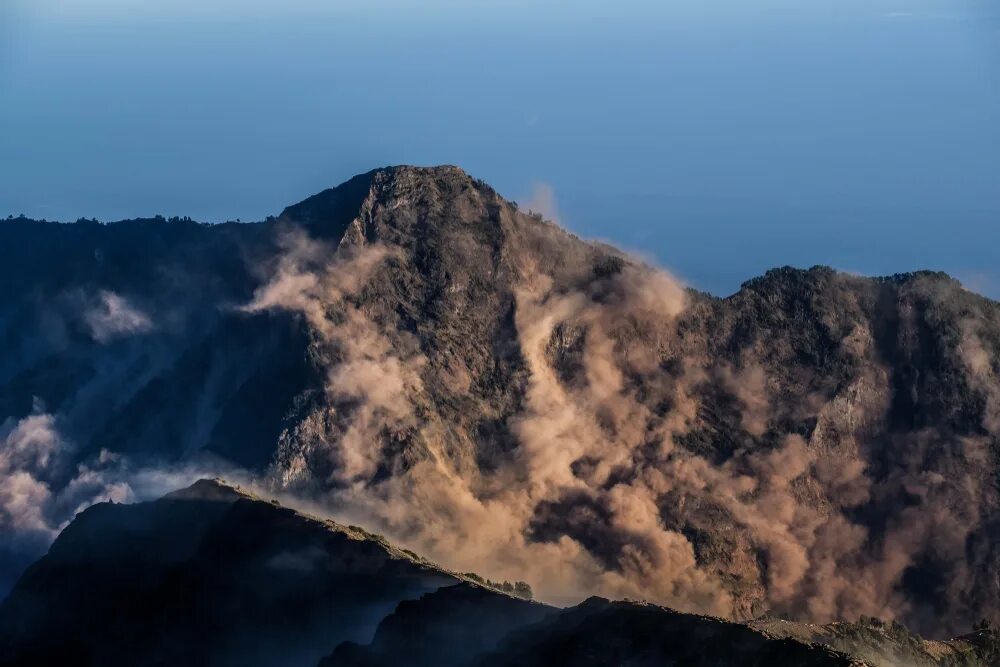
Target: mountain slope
[414,350]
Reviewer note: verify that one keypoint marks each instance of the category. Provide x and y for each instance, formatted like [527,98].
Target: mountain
[413,351]
[214,575]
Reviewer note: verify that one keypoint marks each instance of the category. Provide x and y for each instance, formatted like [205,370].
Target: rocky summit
[411,350]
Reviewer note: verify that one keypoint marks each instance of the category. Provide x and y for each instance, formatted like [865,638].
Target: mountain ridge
[344,200]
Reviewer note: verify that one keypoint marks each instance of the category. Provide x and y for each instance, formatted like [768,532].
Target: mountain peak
[333,212]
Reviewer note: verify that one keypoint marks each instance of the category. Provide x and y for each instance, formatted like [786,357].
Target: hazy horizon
[717,140]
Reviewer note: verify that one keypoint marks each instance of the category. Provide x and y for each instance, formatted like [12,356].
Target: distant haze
[719,137]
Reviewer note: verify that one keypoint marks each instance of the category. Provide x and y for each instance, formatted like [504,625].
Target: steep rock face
[479,382]
[454,257]
[892,384]
[129,332]
[208,575]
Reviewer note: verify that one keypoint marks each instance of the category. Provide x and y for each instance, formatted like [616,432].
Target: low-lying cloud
[111,316]
[44,483]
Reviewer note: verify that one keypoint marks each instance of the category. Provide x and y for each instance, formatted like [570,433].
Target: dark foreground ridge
[212,575]
[206,575]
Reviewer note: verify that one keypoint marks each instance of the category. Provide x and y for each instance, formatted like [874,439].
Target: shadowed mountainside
[207,575]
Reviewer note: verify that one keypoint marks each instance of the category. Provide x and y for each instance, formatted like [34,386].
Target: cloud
[979,366]
[32,451]
[472,520]
[112,316]
[542,202]
[981,282]
[43,485]
[368,381]
[749,386]
[599,494]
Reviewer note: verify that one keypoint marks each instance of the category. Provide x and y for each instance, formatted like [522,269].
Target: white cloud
[36,501]
[29,454]
[114,317]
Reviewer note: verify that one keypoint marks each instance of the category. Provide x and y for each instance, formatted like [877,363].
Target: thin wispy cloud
[543,202]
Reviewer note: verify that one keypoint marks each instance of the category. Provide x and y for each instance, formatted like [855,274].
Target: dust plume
[367,384]
[112,316]
[598,494]
[542,202]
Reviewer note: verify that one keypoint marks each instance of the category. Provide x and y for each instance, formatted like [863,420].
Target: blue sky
[720,137]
